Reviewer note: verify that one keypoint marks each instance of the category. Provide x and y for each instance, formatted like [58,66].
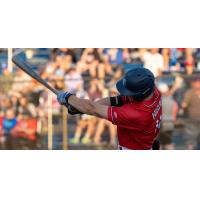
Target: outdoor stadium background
[31,118]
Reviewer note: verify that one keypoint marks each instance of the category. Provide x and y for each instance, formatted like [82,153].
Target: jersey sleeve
[121,116]
[124,99]
[127,99]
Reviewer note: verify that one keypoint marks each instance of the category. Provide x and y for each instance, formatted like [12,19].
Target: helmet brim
[122,90]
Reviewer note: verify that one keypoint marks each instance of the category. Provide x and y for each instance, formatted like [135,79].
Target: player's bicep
[112,101]
[101,111]
[104,101]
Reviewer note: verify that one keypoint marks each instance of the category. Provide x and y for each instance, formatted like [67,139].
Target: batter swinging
[136,111]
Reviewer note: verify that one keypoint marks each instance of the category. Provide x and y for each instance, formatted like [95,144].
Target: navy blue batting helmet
[138,82]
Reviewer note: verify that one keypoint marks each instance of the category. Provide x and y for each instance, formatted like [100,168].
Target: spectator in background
[102,124]
[42,112]
[42,108]
[5,104]
[34,96]
[85,122]
[95,89]
[126,55]
[104,69]
[73,80]
[58,85]
[93,68]
[89,55]
[26,108]
[49,70]
[6,80]
[64,52]
[166,58]
[22,82]
[178,89]
[101,127]
[189,61]
[63,64]
[197,58]
[81,67]
[55,70]
[191,104]
[116,76]
[173,62]
[25,129]
[169,114]
[115,56]
[94,92]
[153,61]
[14,98]
[9,121]
[95,64]
[131,55]
[89,61]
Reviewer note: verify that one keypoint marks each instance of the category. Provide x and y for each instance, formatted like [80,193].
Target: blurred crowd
[92,73]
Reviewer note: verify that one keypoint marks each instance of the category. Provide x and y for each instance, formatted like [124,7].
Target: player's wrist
[63,98]
[67,97]
[73,111]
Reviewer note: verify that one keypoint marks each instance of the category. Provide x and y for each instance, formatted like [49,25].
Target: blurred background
[31,118]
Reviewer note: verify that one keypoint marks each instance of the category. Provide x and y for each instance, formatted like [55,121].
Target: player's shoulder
[134,110]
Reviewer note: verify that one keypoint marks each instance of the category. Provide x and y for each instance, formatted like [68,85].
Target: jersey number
[158,123]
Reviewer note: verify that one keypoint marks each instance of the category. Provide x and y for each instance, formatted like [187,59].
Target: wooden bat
[27,68]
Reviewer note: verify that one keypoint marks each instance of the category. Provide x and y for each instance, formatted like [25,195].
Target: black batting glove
[72,110]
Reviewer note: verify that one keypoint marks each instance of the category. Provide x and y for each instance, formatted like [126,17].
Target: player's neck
[150,96]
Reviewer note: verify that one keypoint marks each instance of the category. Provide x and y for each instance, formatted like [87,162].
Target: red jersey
[138,123]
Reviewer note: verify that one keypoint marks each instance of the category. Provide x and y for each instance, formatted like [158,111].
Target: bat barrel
[27,69]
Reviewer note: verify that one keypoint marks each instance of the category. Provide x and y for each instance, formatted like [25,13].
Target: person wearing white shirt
[73,80]
[153,61]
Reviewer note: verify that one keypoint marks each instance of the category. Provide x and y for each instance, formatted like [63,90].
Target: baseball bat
[27,68]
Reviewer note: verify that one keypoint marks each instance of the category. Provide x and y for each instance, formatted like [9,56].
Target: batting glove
[73,111]
[63,98]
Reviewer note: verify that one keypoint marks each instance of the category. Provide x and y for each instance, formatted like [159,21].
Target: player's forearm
[104,101]
[76,105]
[88,107]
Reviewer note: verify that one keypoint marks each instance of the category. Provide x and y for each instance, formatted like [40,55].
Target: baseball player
[136,111]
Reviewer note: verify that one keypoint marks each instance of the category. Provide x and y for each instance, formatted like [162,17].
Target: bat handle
[56,92]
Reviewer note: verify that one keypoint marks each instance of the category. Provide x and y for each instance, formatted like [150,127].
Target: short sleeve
[124,99]
[121,116]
